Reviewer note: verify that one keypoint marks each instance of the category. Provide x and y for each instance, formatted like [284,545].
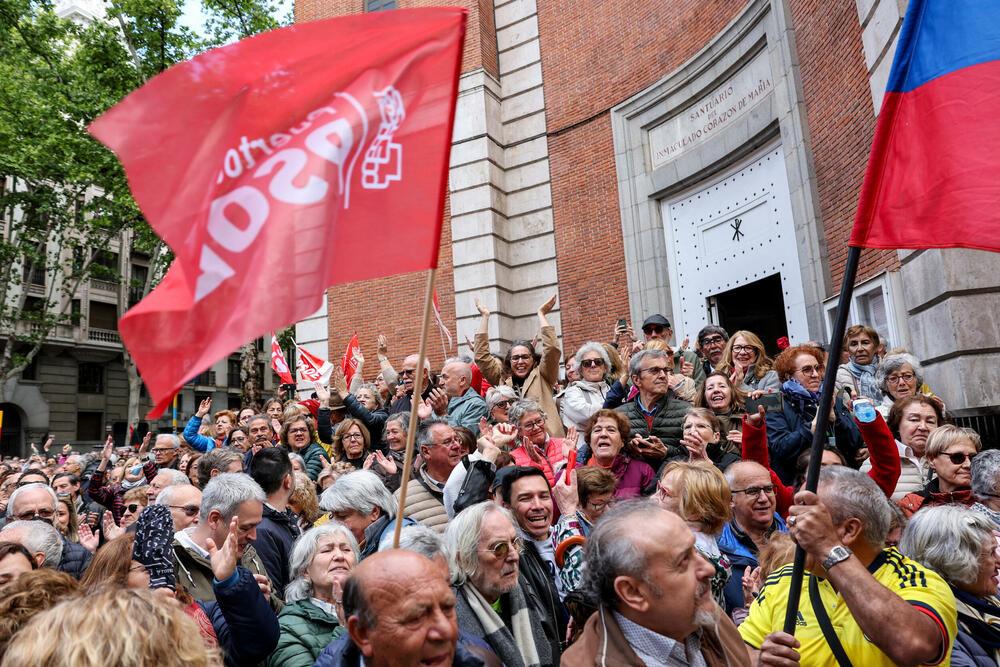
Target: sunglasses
[506,403]
[591,363]
[957,458]
[653,328]
[133,508]
[501,549]
[189,510]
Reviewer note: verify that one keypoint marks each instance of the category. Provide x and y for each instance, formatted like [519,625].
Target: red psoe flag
[279,363]
[268,165]
[348,364]
[312,368]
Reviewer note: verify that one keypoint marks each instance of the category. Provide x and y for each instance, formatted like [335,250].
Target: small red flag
[312,368]
[348,364]
[285,150]
[279,363]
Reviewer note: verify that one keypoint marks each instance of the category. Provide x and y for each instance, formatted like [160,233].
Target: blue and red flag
[933,178]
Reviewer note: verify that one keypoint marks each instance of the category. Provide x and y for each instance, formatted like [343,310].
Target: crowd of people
[636,504]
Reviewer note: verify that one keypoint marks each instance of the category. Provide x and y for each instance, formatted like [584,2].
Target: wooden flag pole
[822,421]
[418,381]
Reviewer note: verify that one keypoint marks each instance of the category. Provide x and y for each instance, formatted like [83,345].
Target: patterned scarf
[515,645]
[865,375]
[154,534]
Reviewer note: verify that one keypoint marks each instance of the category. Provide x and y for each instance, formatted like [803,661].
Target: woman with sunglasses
[134,501]
[950,450]
[585,396]
[498,402]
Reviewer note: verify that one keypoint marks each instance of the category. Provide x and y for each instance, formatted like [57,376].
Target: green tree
[64,197]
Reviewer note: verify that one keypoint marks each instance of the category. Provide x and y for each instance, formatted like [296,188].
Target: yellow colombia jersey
[911,581]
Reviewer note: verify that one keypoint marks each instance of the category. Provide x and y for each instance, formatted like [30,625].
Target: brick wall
[591,61]
[841,120]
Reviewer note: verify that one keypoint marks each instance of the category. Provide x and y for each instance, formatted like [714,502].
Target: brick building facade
[698,158]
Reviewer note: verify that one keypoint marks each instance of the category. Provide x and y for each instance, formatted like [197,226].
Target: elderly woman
[950,450]
[389,465]
[911,420]
[322,559]
[900,375]
[726,401]
[498,402]
[581,502]
[351,442]
[986,485]
[959,545]
[360,501]
[531,375]
[364,405]
[747,364]
[537,449]
[790,432]
[858,374]
[298,435]
[606,436]
[585,396]
[698,492]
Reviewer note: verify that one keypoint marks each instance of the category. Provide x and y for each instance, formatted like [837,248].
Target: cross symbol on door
[737,233]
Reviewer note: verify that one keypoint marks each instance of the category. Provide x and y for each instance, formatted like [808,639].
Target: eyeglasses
[137,567]
[754,491]
[297,431]
[133,508]
[530,426]
[503,404]
[591,363]
[189,510]
[354,436]
[501,549]
[408,371]
[714,340]
[449,441]
[26,483]
[902,377]
[957,458]
[811,370]
[743,348]
[239,438]
[600,504]
[520,357]
[163,449]
[663,491]
[655,370]
[41,514]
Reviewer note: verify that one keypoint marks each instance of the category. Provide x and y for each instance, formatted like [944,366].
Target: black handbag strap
[824,623]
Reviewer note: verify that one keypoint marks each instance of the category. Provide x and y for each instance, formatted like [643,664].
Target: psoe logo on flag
[268,174]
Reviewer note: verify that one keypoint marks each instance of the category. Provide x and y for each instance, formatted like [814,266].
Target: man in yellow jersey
[861,604]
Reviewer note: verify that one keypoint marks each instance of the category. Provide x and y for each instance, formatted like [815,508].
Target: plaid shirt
[657,650]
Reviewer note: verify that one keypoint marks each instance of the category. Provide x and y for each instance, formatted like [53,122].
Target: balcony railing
[208,377]
[103,336]
[104,285]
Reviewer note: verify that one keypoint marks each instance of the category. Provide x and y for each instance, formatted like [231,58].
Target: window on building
[139,275]
[103,316]
[30,371]
[105,265]
[90,378]
[233,373]
[379,5]
[76,312]
[89,426]
[234,403]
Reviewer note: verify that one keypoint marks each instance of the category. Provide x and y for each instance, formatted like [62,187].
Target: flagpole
[418,382]
[822,420]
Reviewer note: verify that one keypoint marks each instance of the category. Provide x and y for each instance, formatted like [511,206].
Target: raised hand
[48,443]
[369,461]
[483,310]
[111,529]
[145,443]
[569,442]
[322,394]
[339,381]
[382,349]
[685,343]
[566,496]
[547,306]
[385,462]
[204,408]
[109,448]
[687,368]
[439,401]
[424,409]
[485,430]
[88,538]
[223,559]
[503,435]
[359,358]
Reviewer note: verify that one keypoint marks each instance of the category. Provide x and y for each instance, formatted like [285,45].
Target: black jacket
[373,421]
[244,623]
[541,594]
[75,559]
[476,487]
[276,535]
[667,425]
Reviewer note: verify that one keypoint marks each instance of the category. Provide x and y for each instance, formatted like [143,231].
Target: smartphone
[622,324]
[773,402]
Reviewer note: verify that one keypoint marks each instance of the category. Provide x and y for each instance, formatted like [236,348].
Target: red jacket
[881,449]
[549,459]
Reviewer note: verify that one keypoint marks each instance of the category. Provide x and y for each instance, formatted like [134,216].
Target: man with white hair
[655,594]
[229,498]
[360,501]
[34,507]
[166,450]
[184,501]
[163,479]
[490,602]
[860,602]
[464,407]
[407,375]
[42,541]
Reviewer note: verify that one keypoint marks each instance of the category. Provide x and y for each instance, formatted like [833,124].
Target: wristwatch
[837,554]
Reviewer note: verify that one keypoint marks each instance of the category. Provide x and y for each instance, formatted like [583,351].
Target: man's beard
[705,617]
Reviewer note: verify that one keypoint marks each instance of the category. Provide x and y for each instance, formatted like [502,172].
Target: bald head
[409,599]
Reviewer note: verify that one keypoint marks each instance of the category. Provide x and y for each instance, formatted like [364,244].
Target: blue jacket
[195,439]
[738,550]
[345,653]
[788,435]
[276,535]
[466,410]
[244,623]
